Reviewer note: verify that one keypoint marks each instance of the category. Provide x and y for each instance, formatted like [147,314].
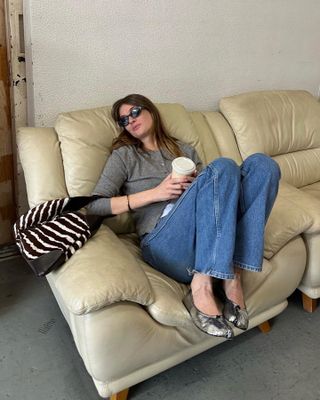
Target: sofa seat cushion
[102,272]
[309,204]
[288,219]
[167,307]
[313,190]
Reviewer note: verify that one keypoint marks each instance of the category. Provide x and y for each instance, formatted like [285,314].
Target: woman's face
[140,127]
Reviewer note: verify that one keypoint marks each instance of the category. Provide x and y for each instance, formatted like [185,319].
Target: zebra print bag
[50,233]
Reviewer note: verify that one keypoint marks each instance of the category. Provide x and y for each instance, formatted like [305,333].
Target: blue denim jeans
[218,222]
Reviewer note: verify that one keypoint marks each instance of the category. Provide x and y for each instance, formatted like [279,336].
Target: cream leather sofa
[128,320]
[286,126]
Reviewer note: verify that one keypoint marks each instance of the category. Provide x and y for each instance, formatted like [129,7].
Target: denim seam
[241,199]
[246,266]
[212,273]
[216,201]
[153,235]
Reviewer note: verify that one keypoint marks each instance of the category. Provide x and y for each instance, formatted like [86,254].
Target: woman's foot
[233,289]
[234,308]
[211,325]
[203,309]
[203,297]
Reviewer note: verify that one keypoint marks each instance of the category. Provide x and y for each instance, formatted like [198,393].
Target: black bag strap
[77,202]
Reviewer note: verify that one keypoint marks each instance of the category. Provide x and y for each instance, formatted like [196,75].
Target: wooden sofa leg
[308,303]
[121,395]
[265,327]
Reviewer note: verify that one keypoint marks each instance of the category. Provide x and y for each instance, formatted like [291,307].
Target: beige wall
[85,53]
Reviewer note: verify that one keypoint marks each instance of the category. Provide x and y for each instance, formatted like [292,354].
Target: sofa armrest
[289,218]
[40,156]
[102,272]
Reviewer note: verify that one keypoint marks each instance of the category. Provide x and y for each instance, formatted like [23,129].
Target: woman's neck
[150,145]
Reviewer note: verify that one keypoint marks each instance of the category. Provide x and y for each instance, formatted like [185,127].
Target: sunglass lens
[135,112]
[124,121]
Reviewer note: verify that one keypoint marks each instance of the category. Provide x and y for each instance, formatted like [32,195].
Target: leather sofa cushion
[308,203]
[273,122]
[43,169]
[282,124]
[179,124]
[167,307]
[287,220]
[223,135]
[102,272]
[300,168]
[205,134]
[86,138]
[313,190]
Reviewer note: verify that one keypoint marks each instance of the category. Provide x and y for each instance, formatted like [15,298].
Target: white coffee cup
[182,166]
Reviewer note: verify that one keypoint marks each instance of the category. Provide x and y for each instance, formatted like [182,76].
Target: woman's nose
[132,119]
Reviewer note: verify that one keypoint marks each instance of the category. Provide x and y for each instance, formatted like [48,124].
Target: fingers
[182,183]
[179,180]
[178,188]
[175,194]
[184,179]
[172,188]
[178,185]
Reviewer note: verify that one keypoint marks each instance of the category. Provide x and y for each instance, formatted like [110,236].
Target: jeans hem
[213,274]
[247,267]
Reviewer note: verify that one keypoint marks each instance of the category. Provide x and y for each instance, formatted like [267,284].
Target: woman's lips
[136,127]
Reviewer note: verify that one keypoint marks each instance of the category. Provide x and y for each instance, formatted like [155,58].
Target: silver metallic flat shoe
[212,325]
[237,316]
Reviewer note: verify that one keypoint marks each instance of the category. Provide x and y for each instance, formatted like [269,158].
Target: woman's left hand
[171,188]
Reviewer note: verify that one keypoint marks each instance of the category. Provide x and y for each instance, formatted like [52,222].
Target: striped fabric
[49,227]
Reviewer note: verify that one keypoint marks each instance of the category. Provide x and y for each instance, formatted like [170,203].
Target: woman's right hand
[171,188]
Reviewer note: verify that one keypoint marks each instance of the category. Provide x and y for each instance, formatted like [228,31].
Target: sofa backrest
[86,137]
[220,134]
[282,124]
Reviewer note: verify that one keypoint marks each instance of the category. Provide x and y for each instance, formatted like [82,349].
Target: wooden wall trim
[7,202]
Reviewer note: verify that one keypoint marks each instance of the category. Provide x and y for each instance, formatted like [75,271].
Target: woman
[201,229]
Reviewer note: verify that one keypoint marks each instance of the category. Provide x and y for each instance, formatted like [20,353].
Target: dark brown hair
[164,140]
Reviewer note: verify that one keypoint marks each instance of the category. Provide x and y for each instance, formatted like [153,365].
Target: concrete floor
[38,359]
